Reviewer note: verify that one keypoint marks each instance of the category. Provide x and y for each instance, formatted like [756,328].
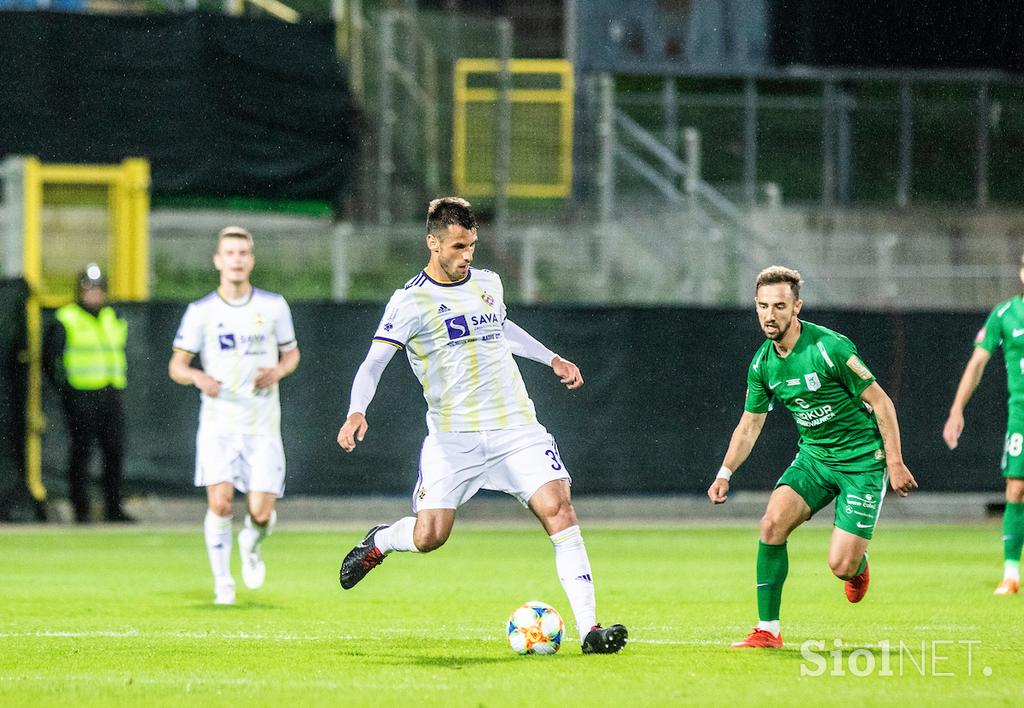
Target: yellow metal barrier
[273,7]
[541,136]
[127,207]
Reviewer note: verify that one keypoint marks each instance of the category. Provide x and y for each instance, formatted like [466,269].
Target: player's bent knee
[220,507]
[844,568]
[429,540]
[553,505]
[426,544]
[261,518]
[1015,490]
[559,513]
[773,531]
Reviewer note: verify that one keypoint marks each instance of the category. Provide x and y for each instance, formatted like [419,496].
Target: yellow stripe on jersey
[473,399]
[393,343]
[525,405]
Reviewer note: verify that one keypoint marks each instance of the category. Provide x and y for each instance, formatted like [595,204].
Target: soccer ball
[535,628]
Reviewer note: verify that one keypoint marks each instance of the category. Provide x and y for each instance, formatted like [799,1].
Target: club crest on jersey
[258,320]
[457,327]
[813,384]
[488,298]
[226,341]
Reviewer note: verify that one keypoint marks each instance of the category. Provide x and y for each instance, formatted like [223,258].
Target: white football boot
[254,571]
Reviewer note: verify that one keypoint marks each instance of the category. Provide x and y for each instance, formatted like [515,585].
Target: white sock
[217,530]
[1011,570]
[574,573]
[772,626]
[397,536]
[261,531]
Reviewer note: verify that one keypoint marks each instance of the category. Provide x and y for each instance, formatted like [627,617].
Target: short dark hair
[449,211]
[780,274]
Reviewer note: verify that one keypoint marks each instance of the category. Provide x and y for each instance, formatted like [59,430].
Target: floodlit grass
[95,617]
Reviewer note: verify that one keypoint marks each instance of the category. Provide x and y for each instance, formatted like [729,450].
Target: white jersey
[234,342]
[452,334]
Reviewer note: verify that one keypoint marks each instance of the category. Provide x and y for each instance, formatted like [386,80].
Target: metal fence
[845,137]
[949,261]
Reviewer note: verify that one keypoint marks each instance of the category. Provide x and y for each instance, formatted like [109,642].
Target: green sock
[862,566]
[772,568]
[1013,531]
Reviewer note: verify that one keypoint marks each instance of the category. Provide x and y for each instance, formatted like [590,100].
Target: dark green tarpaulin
[221,106]
[15,502]
[664,389]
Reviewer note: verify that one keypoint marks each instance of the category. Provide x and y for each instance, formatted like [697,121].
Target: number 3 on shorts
[556,465]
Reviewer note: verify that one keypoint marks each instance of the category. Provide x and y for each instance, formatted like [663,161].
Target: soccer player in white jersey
[482,429]
[246,342]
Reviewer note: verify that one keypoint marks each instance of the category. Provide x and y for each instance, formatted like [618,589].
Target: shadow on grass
[209,606]
[442,662]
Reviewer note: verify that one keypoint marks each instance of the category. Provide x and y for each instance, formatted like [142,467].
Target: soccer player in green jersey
[849,445]
[1004,326]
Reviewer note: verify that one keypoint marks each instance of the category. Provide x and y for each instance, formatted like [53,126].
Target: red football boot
[1007,587]
[857,586]
[759,639]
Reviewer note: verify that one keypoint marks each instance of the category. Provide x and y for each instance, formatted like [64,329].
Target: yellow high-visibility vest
[94,355]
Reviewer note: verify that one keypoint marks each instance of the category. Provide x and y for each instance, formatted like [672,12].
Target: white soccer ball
[535,628]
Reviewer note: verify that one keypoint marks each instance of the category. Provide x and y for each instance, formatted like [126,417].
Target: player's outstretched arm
[968,382]
[180,370]
[740,444]
[364,386]
[900,478]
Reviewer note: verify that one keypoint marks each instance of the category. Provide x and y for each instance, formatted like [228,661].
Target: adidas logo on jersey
[443,309]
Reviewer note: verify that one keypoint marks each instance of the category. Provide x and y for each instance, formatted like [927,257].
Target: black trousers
[95,416]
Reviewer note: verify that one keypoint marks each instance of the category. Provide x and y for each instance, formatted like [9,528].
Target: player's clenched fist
[718,492]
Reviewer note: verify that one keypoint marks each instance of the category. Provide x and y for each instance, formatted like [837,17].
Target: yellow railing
[128,204]
[560,131]
[128,274]
[271,7]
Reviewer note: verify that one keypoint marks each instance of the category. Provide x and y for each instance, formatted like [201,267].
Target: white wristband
[724,473]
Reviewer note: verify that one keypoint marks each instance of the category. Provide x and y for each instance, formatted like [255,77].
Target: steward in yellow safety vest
[94,345]
[84,357]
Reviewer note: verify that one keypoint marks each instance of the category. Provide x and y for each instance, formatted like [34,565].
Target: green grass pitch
[100,617]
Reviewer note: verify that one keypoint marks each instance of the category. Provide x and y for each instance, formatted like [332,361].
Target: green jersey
[820,382]
[1006,326]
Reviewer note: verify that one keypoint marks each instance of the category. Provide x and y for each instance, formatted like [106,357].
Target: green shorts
[1013,460]
[860,494]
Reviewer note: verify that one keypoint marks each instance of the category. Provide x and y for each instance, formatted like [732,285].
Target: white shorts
[253,463]
[455,466]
